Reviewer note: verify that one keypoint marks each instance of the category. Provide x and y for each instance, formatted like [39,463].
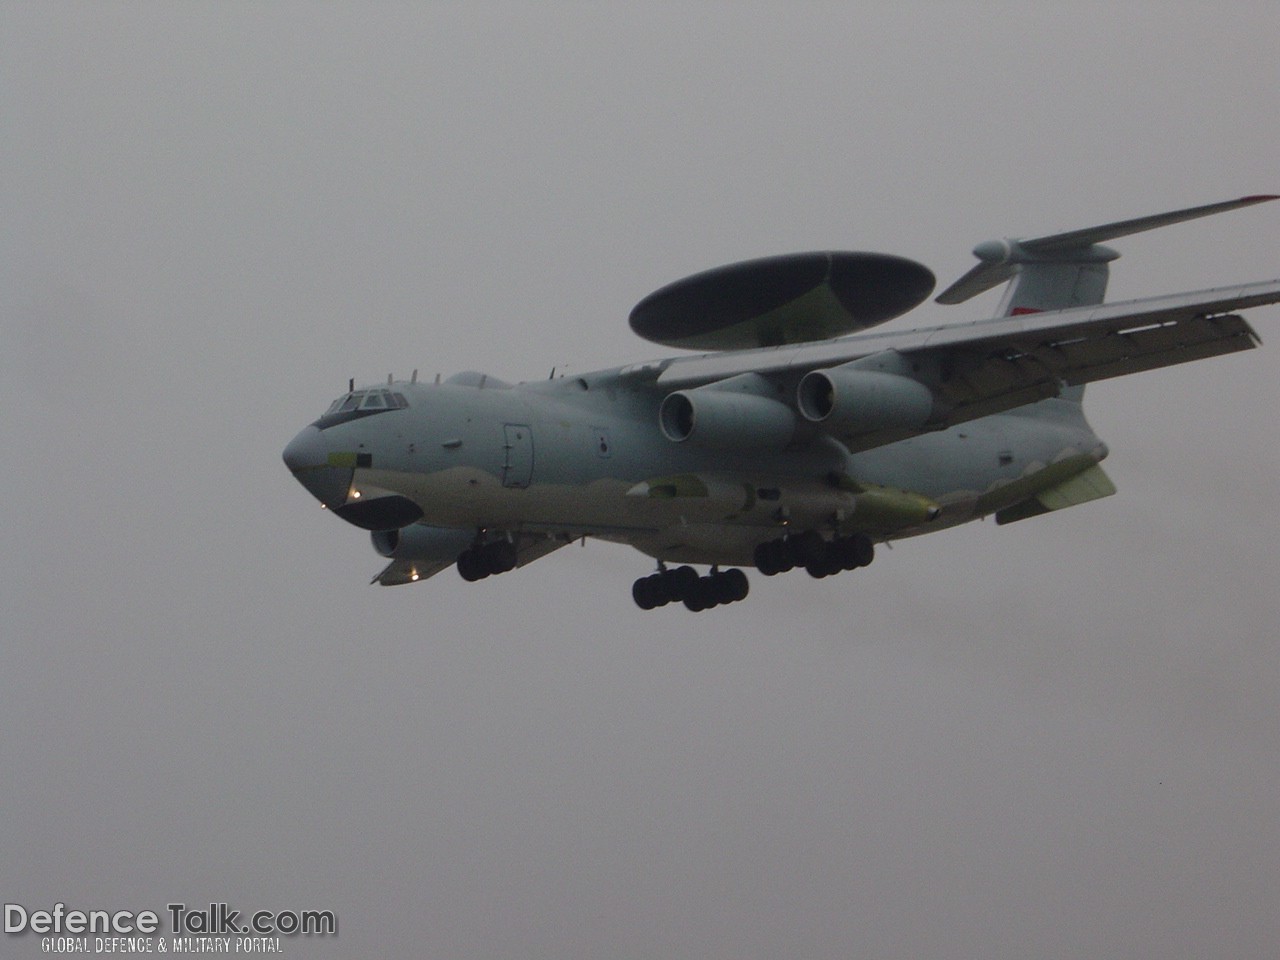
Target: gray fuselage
[580,457]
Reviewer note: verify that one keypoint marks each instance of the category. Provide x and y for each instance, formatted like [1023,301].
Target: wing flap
[1179,341]
[1020,368]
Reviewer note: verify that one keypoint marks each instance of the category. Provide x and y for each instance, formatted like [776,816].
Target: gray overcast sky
[1052,740]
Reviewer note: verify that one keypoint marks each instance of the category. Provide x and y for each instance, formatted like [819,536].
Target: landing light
[355,494]
[414,576]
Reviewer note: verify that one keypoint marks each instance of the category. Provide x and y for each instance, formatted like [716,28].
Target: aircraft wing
[985,367]
[399,572]
[1015,360]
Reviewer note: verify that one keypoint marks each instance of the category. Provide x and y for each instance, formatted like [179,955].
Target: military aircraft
[794,440]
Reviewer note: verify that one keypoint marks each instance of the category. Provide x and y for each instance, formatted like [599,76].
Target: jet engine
[735,414]
[849,400]
[418,541]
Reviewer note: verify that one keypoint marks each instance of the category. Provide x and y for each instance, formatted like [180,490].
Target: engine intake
[850,401]
[734,414]
[422,542]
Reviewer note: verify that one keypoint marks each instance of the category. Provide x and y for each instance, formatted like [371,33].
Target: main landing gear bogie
[486,559]
[819,557]
[684,585]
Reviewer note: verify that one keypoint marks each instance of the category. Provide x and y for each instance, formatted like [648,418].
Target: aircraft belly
[463,496]
[986,464]
[615,508]
[963,473]
[705,543]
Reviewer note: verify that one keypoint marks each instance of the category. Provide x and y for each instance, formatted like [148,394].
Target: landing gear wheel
[827,565]
[864,549]
[773,557]
[766,559]
[501,556]
[699,597]
[682,580]
[642,594]
[734,586]
[486,559]
[471,565]
[683,585]
[805,548]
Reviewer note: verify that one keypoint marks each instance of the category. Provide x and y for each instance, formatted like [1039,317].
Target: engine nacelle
[734,414]
[849,401]
[419,541]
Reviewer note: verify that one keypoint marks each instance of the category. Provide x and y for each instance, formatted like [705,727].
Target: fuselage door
[517,463]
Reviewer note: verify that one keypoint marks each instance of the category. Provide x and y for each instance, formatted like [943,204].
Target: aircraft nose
[306,450]
[307,457]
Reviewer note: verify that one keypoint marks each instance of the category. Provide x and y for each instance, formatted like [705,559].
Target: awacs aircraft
[795,440]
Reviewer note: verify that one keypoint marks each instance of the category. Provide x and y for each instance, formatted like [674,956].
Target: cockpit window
[361,403]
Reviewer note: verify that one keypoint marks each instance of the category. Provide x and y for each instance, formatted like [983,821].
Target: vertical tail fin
[1065,269]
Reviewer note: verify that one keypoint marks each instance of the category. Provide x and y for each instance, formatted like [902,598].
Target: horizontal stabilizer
[999,258]
[978,280]
[1076,239]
